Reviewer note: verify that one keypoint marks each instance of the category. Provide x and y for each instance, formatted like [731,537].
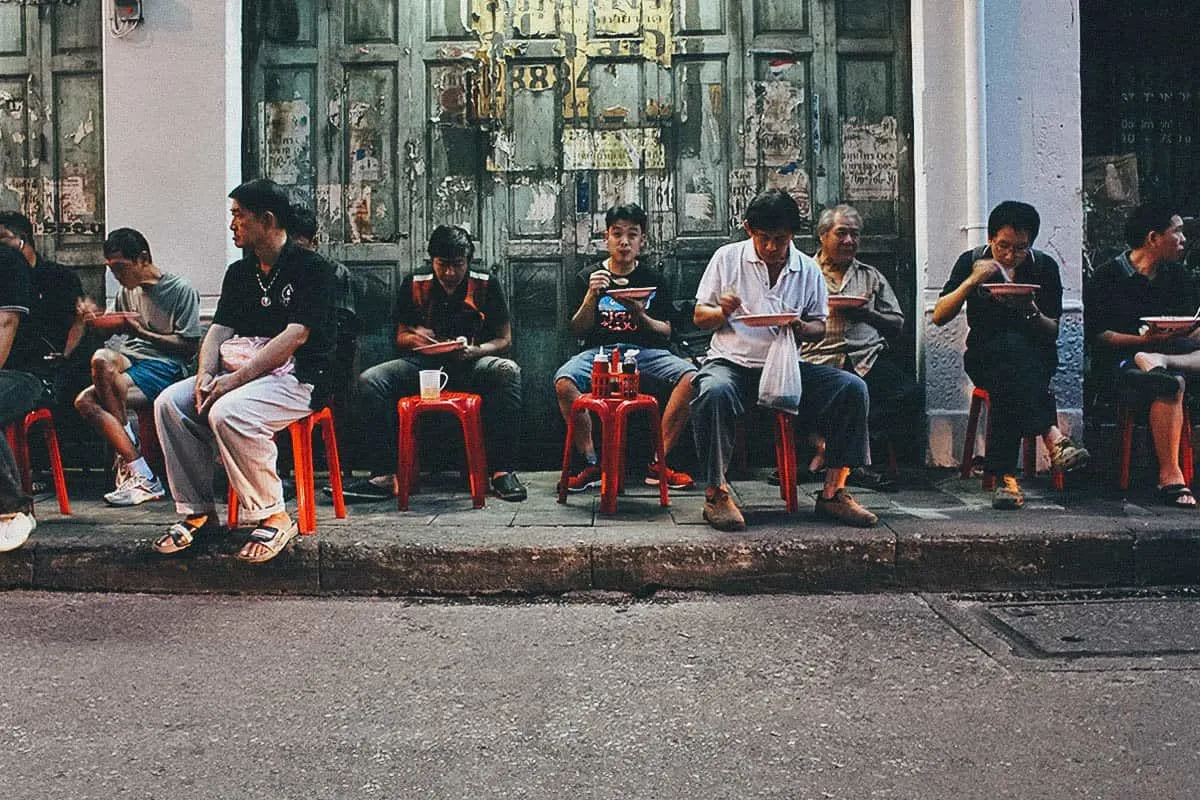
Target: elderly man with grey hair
[856,336]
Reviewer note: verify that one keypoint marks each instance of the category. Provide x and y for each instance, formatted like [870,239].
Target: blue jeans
[833,401]
[20,393]
[496,380]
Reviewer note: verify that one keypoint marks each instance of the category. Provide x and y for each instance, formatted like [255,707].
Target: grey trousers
[832,401]
[241,428]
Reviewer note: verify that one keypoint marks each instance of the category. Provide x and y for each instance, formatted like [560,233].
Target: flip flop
[274,538]
[1173,493]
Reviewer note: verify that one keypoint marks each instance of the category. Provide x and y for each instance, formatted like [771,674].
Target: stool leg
[56,465]
[1186,459]
[407,448]
[232,500]
[785,444]
[566,462]
[329,437]
[1125,434]
[610,462]
[302,465]
[660,451]
[19,441]
[968,456]
[472,429]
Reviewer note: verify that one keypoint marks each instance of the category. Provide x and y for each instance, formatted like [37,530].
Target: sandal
[275,539]
[178,537]
[1173,493]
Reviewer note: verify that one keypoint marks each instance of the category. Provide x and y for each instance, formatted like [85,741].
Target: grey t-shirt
[169,307]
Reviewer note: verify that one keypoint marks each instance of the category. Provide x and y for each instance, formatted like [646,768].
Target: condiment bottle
[600,374]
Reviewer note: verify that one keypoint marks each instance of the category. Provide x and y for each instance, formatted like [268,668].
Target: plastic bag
[238,350]
[779,386]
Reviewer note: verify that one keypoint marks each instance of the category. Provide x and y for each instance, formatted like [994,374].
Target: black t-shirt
[54,290]
[300,289]
[994,326]
[451,315]
[16,294]
[614,323]
[1118,296]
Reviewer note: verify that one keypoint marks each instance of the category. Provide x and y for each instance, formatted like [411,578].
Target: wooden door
[524,120]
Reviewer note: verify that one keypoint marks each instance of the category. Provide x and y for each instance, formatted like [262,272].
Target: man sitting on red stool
[628,323]
[452,301]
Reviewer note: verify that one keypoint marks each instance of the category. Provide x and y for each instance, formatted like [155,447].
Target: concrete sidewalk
[939,533]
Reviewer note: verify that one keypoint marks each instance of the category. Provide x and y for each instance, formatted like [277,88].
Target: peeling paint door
[51,131]
[524,120]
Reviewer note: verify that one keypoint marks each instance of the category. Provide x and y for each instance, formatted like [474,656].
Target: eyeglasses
[1012,249]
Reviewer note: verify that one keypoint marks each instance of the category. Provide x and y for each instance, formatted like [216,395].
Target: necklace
[266,301]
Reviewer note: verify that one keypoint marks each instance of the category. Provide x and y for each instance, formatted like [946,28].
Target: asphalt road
[109,696]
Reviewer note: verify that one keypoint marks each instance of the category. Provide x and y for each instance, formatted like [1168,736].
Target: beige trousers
[241,426]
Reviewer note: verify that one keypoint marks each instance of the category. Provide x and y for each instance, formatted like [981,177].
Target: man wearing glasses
[1012,345]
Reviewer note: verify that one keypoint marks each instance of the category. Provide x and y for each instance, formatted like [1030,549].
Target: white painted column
[172,132]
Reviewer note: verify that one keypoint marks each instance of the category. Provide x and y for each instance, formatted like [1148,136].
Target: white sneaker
[15,529]
[135,491]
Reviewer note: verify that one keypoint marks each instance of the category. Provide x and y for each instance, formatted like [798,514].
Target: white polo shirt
[800,289]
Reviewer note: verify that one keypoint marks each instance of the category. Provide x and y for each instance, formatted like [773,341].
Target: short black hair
[1147,218]
[451,242]
[1017,215]
[261,196]
[304,222]
[627,212]
[18,223]
[127,242]
[773,210]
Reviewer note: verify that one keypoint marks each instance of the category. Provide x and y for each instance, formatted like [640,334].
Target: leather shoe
[721,512]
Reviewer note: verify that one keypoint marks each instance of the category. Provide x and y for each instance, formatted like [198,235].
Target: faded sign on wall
[869,160]
[286,148]
[773,135]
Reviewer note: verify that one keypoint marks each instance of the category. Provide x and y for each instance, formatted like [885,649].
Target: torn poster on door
[869,160]
[286,130]
[772,130]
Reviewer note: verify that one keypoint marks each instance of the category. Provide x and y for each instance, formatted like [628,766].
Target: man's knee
[565,389]
[105,365]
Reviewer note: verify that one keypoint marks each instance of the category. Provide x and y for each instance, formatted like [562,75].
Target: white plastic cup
[432,383]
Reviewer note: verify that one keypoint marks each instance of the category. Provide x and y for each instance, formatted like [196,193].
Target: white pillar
[172,132]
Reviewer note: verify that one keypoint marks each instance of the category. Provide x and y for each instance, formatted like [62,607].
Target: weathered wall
[173,117]
[1031,152]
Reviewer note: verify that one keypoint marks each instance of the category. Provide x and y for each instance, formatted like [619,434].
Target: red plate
[846,301]
[632,293]
[1012,288]
[765,320]
[439,348]
[112,321]
[1171,323]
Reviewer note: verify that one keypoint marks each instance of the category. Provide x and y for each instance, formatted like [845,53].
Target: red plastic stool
[468,408]
[614,413]
[302,431]
[18,440]
[979,399]
[1125,436]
